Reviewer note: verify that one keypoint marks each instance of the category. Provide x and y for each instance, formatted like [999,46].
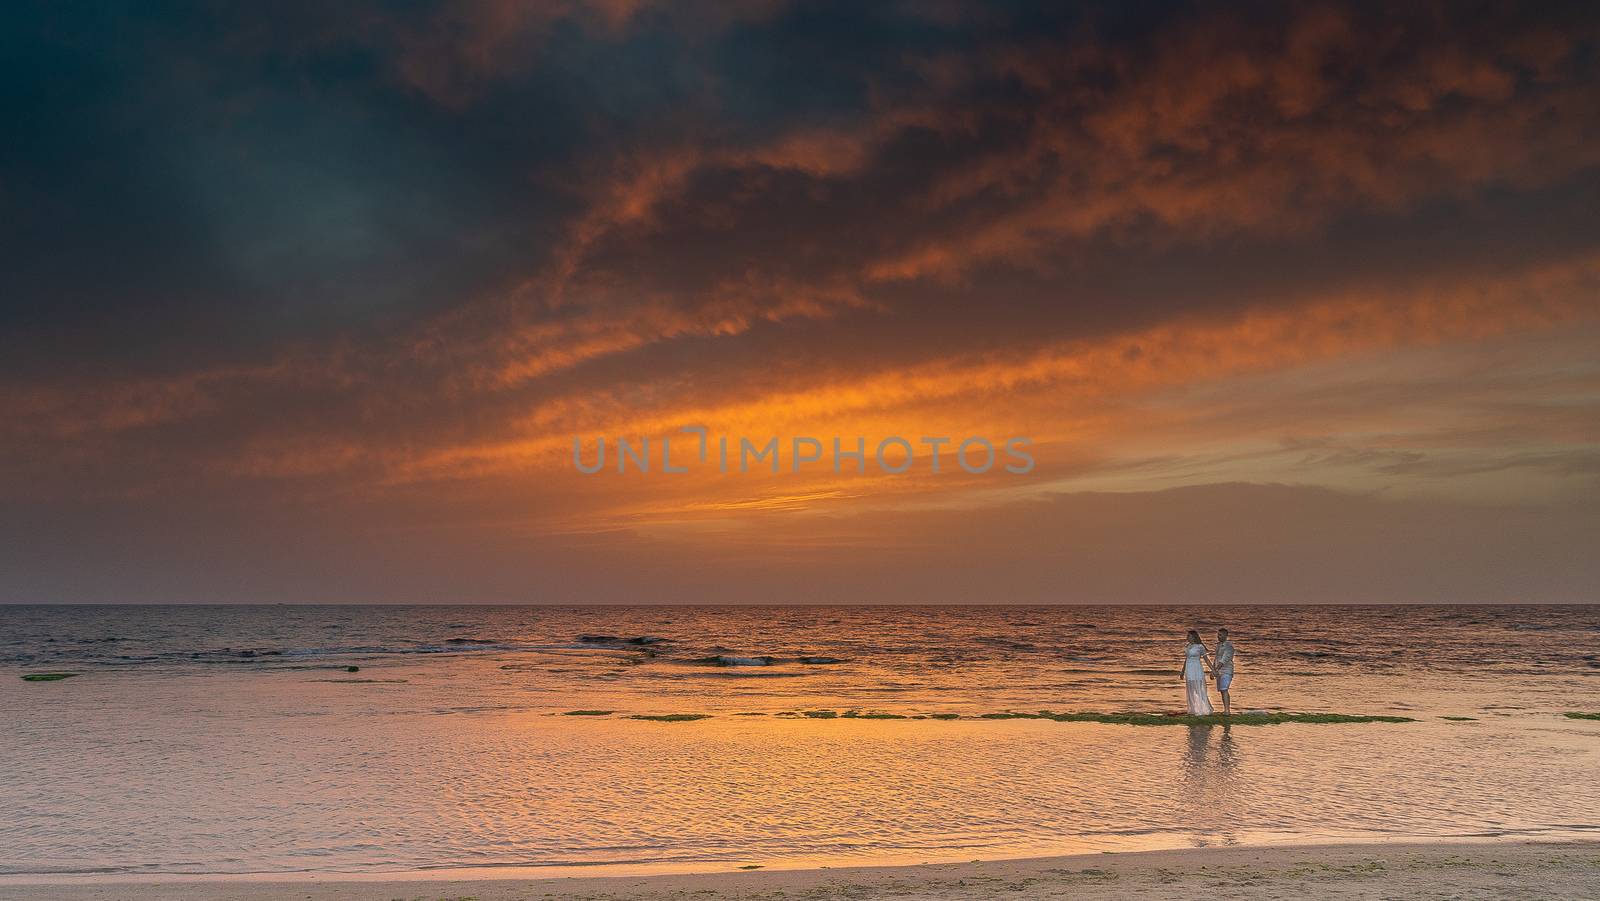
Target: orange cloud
[1067,379]
[1225,127]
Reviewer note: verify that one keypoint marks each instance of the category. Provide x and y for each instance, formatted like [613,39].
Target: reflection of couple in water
[1198,666]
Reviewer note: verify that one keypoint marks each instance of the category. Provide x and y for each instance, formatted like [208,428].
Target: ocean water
[232,740]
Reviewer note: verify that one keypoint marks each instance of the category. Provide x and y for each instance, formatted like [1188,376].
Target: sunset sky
[307,302]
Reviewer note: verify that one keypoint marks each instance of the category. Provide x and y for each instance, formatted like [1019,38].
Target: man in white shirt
[1222,665]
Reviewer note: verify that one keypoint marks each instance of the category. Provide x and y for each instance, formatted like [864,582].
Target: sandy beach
[1534,870]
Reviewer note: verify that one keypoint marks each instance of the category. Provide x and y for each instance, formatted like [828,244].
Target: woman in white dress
[1196,668]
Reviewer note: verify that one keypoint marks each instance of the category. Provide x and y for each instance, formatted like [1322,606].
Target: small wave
[1007,643]
[743,674]
[636,641]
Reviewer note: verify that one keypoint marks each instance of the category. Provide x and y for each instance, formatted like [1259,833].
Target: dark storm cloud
[304,252]
[188,179]
[186,183]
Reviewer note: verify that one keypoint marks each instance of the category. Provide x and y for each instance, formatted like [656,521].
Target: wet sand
[1532,870]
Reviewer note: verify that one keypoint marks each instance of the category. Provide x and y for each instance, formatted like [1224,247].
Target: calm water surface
[232,740]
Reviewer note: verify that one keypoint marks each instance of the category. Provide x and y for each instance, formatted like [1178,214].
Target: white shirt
[1224,659]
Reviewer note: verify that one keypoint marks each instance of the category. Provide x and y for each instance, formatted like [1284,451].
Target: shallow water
[231,740]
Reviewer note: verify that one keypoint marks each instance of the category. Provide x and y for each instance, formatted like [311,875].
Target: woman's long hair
[1194,637]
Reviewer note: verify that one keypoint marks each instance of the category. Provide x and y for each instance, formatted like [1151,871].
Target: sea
[366,741]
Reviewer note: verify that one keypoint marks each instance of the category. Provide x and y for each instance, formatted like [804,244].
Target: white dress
[1194,680]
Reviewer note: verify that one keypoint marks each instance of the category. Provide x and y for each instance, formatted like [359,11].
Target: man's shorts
[1223,681]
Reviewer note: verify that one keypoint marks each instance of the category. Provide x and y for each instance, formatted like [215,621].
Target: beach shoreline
[1453,869]
[457,755]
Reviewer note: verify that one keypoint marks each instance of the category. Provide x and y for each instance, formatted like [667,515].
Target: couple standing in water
[1198,666]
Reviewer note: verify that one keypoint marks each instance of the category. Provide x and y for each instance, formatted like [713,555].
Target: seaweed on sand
[47,677]
[670,717]
[1577,715]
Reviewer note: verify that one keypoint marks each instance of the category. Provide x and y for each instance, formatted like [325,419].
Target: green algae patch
[865,715]
[1117,719]
[1460,719]
[1215,719]
[48,677]
[1573,715]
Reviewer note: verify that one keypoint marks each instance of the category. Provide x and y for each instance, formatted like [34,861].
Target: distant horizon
[1205,605]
